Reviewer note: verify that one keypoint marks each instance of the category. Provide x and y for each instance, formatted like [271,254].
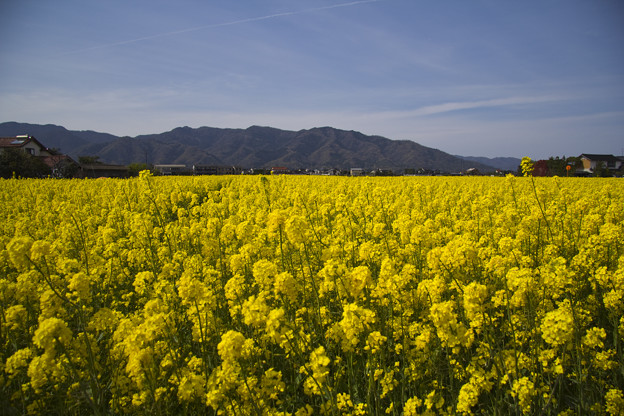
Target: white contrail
[234,22]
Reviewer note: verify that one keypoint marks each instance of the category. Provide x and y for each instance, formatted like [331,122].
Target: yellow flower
[275,221]
[421,341]
[594,337]
[105,319]
[39,250]
[368,251]
[272,384]
[468,397]
[245,231]
[264,271]
[521,283]
[355,320]
[331,273]
[357,280]
[527,166]
[434,400]
[614,402]
[602,360]
[558,325]
[307,410]
[374,342]
[275,329]
[15,316]
[19,252]
[255,310]
[51,331]
[388,383]
[231,345]
[191,386]
[319,365]
[410,408]
[343,401]
[234,291]
[142,281]
[475,295]
[254,276]
[523,389]
[450,332]
[45,370]
[297,229]
[286,285]
[319,362]
[80,285]
[192,291]
[431,290]
[145,174]
[18,360]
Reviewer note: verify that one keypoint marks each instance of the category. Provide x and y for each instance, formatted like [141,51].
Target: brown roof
[101,166]
[12,141]
[600,158]
[53,160]
[19,141]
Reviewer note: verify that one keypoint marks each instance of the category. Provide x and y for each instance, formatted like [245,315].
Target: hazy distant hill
[54,136]
[502,163]
[254,147]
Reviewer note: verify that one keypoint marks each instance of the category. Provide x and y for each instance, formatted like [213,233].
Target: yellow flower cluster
[312,295]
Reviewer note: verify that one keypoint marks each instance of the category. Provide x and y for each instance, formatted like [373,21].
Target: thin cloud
[216,25]
[455,106]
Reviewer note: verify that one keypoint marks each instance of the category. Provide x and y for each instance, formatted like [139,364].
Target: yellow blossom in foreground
[411,406]
[18,361]
[231,345]
[51,333]
[558,325]
[523,389]
[615,402]
[309,295]
[318,366]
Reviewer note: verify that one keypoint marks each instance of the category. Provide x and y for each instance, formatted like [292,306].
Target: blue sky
[469,77]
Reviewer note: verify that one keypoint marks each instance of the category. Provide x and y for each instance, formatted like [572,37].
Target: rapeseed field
[296,295]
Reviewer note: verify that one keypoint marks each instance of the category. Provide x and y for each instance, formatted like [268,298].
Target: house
[590,162]
[472,172]
[171,169]
[59,165]
[216,170]
[27,144]
[101,170]
[357,171]
[279,170]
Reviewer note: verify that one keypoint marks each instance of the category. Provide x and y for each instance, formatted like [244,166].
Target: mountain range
[255,147]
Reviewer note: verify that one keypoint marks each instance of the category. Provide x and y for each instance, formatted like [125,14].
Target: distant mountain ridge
[254,147]
[502,163]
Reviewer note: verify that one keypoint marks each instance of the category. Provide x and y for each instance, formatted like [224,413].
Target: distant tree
[14,162]
[574,162]
[89,160]
[601,170]
[135,168]
[540,168]
[382,172]
[556,166]
[65,168]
